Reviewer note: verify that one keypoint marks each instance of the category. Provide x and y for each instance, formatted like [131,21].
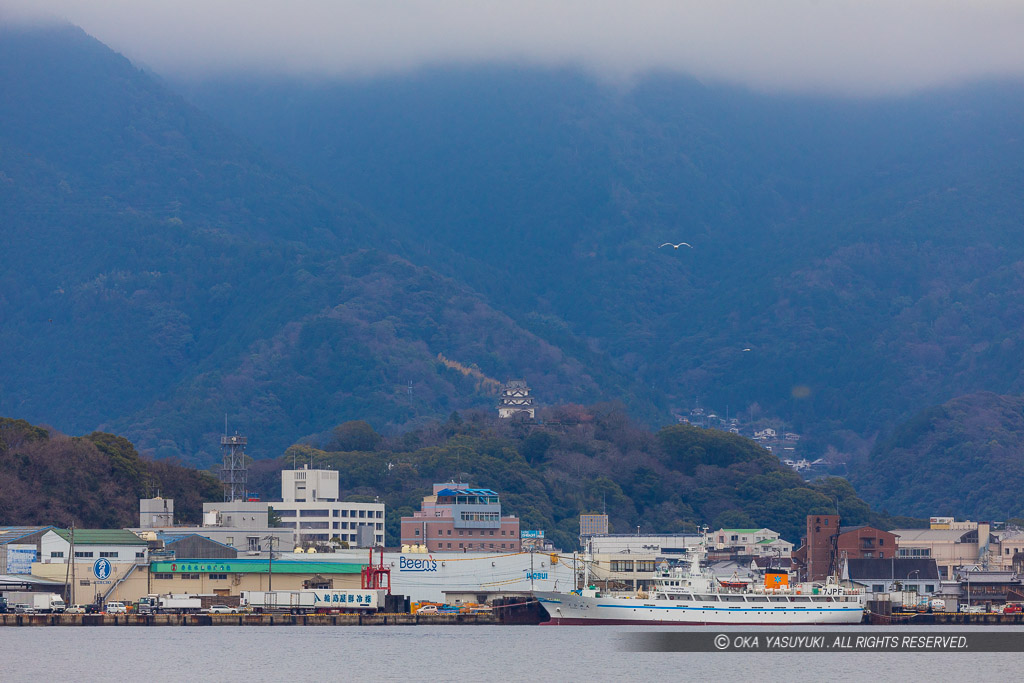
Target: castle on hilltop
[516,400]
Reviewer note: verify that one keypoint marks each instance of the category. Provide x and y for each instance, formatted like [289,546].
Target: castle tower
[516,400]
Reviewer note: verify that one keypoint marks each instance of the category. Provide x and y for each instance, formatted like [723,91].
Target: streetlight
[917,587]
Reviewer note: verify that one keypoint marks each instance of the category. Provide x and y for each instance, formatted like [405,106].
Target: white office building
[310,507]
[647,544]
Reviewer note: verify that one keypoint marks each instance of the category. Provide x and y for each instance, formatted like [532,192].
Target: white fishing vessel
[684,594]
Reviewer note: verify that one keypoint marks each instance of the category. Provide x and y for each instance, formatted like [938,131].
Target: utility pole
[71,559]
[68,576]
[270,567]
[531,569]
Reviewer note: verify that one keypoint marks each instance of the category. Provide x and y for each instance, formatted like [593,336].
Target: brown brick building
[826,545]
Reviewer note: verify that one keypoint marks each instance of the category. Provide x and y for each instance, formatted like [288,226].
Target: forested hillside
[92,481]
[159,276]
[963,458]
[293,255]
[672,480]
[865,251]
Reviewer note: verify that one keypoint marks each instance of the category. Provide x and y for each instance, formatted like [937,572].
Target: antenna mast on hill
[232,472]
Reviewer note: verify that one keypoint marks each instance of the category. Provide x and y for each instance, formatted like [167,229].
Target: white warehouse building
[115,545]
[310,506]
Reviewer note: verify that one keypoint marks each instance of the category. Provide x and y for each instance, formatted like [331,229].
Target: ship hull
[574,610]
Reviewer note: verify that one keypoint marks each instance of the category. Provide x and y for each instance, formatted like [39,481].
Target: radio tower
[232,471]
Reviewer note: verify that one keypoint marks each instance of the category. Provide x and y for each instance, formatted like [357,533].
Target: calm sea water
[437,653]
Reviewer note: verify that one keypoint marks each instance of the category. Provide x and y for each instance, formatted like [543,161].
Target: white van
[116,608]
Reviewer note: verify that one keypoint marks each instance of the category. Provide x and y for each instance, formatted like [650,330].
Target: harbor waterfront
[402,619]
[476,654]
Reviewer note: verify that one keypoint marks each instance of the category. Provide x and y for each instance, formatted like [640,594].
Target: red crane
[376,578]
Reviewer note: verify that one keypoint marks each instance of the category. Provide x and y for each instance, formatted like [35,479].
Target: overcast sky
[848,46]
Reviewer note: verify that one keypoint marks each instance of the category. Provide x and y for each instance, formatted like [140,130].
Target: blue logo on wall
[101,568]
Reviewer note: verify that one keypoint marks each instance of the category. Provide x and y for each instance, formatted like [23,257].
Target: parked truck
[36,602]
[315,600]
[169,604]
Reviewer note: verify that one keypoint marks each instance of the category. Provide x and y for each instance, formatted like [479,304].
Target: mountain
[865,251]
[292,255]
[586,459]
[91,481]
[161,277]
[962,458]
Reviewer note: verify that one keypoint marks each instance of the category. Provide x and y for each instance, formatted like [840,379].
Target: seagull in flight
[676,246]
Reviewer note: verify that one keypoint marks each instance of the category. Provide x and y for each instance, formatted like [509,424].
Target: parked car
[116,608]
[75,609]
[427,609]
[1012,608]
[222,609]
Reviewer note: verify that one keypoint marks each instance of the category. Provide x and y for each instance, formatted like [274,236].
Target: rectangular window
[230,540]
[929,588]
[622,565]
[106,553]
[417,533]
[877,588]
[344,513]
[380,514]
[190,576]
[362,514]
[645,565]
[380,526]
[314,513]
[218,577]
[60,553]
[449,545]
[162,576]
[83,553]
[460,532]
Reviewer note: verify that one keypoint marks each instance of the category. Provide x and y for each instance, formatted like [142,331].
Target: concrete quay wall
[246,619]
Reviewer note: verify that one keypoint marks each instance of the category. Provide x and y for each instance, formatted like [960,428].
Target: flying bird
[676,246]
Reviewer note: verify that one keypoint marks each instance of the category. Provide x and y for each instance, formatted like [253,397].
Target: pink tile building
[457,518]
